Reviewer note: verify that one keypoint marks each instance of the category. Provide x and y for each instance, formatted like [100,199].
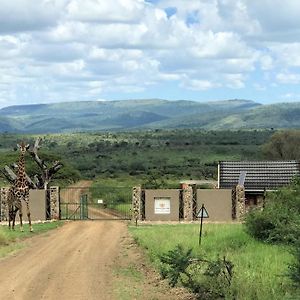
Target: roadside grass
[259,268]
[10,240]
[129,282]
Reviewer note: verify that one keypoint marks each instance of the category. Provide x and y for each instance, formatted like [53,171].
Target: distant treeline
[162,153]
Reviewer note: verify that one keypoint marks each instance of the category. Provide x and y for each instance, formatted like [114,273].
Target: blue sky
[72,50]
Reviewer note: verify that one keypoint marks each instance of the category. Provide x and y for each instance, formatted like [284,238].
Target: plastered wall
[218,203]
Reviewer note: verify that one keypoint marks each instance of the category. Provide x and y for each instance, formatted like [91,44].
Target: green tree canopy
[283,145]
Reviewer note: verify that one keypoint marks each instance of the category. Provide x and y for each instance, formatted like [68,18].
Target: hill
[145,114]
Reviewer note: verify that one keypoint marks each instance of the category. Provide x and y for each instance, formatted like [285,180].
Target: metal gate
[101,203]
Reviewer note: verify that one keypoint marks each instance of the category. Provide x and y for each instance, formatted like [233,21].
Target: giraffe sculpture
[19,192]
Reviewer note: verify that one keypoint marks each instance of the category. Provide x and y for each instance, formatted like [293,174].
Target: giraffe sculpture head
[23,147]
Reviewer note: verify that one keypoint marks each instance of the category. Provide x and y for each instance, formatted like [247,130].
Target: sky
[203,50]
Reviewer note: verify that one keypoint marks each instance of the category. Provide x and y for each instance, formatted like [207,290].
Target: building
[259,176]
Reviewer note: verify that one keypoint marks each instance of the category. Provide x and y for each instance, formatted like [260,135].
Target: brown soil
[72,262]
[82,260]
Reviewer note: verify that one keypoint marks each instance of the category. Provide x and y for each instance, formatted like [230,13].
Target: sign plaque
[162,206]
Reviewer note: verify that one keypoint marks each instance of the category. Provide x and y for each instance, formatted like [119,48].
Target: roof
[260,175]
[198,182]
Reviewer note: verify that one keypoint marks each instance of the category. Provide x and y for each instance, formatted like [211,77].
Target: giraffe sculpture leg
[28,215]
[10,217]
[14,213]
[21,221]
[10,208]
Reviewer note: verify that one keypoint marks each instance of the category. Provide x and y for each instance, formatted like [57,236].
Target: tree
[38,181]
[283,145]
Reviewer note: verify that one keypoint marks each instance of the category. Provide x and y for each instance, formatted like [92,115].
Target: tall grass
[259,269]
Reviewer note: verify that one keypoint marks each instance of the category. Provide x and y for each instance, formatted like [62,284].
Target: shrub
[175,263]
[258,225]
[279,221]
[208,279]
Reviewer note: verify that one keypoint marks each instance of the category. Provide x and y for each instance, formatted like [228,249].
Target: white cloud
[103,11]
[275,15]
[286,54]
[267,62]
[220,45]
[288,78]
[68,49]
[235,81]
[197,85]
[10,46]
[28,15]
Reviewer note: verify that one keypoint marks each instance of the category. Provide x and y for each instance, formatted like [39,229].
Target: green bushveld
[167,154]
[11,240]
[259,269]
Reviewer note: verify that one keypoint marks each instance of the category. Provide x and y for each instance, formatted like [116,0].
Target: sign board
[162,206]
[202,213]
[100,201]
[242,177]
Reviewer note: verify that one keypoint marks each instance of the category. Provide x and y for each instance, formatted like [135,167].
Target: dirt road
[72,193]
[72,262]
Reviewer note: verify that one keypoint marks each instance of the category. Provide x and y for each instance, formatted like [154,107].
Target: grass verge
[259,268]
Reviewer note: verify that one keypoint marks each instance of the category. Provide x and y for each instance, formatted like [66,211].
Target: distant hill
[147,114]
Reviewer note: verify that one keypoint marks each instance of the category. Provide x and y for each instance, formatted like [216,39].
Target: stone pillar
[3,202]
[240,202]
[136,203]
[54,203]
[187,199]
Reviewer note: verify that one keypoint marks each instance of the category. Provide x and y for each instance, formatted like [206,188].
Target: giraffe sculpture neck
[21,171]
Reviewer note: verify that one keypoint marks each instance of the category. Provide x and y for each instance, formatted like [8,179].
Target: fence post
[240,202]
[136,203]
[187,198]
[3,204]
[83,207]
[54,202]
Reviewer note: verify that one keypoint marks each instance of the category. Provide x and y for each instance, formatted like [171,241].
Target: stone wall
[3,204]
[136,203]
[240,202]
[187,199]
[54,203]
[223,205]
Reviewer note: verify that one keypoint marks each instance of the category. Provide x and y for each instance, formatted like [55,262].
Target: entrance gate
[101,203]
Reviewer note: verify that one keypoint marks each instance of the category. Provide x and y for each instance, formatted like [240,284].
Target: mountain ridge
[134,114]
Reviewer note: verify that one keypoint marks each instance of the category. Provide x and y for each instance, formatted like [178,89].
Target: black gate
[95,203]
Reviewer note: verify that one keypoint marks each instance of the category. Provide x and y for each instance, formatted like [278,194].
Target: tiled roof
[259,174]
